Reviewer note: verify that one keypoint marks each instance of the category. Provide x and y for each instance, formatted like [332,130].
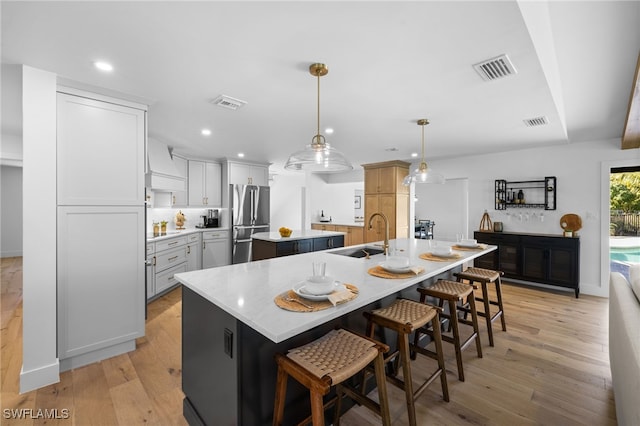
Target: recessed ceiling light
[414,154]
[103,66]
[206,132]
[241,154]
[328,130]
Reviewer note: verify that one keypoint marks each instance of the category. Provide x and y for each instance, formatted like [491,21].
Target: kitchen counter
[232,328]
[177,233]
[297,234]
[246,291]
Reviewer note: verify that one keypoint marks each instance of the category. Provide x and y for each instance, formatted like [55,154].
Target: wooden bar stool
[329,361]
[485,276]
[453,292]
[405,316]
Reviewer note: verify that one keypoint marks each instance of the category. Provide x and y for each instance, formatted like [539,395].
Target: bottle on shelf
[520,197]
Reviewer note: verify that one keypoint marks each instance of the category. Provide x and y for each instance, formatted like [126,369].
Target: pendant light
[422,174]
[319,156]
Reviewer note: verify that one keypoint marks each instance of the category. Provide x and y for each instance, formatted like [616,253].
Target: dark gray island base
[231,327]
[228,369]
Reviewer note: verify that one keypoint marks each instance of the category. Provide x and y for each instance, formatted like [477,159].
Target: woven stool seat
[408,314]
[326,362]
[485,277]
[450,288]
[478,274]
[338,354]
[405,316]
[454,292]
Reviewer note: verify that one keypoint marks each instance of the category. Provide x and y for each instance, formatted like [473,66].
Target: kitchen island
[231,327]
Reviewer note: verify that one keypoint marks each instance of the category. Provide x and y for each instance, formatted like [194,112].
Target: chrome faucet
[386,230]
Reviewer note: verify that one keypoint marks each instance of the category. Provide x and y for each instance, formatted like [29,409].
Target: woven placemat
[464,248]
[311,305]
[380,272]
[430,256]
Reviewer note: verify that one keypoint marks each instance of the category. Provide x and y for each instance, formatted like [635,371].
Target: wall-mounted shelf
[537,194]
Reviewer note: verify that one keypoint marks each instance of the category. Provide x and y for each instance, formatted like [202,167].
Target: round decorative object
[571,222]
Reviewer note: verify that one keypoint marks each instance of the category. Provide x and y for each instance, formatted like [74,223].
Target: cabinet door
[213,185]
[534,262]
[376,232]
[100,152]
[260,175]
[356,235]
[387,180]
[371,185]
[563,266]
[194,252]
[150,276]
[325,243]
[508,258]
[196,183]
[240,174]
[101,277]
[179,198]
[215,253]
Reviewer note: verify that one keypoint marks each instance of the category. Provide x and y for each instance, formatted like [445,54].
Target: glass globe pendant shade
[422,174]
[319,156]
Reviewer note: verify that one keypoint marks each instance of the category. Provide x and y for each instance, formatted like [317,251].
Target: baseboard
[97,355]
[13,253]
[39,377]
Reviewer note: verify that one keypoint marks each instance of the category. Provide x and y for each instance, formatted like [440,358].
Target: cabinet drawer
[170,243]
[193,238]
[214,235]
[165,280]
[150,248]
[171,258]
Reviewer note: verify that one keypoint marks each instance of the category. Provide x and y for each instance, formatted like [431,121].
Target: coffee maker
[213,218]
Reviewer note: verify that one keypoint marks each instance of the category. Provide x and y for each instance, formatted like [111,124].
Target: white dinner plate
[300,291]
[445,256]
[467,245]
[396,269]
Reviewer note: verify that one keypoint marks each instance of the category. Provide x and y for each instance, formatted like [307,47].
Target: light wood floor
[551,367]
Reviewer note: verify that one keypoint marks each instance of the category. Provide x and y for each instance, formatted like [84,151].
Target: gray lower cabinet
[216,248]
[169,258]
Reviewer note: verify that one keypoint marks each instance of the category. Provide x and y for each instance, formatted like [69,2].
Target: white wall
[10,211]
[39,360]
[287,201]
[335,199]
[451,217]
[578,171]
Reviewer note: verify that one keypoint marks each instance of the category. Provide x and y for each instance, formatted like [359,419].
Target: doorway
[447,206]
[624,219]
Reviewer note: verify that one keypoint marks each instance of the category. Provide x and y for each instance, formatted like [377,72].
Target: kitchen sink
[359,251]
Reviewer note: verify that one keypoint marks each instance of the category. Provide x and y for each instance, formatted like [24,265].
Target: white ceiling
[390,63]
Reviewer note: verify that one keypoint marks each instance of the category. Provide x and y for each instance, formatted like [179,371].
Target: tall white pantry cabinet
[101,226]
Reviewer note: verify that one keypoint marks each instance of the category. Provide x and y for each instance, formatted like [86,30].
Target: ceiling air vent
[495,68]
[228,102]
[538,121]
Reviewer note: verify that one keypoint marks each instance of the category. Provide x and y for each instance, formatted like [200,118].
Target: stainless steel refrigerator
[249,215]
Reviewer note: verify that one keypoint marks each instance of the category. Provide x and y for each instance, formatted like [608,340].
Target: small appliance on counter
[324,218]
[210,220]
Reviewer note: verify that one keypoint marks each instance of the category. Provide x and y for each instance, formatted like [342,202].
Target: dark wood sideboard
[540,258]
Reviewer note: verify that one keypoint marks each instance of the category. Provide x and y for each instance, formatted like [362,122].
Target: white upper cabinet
[100,157]
[179,198]
[248,174]
[205,184]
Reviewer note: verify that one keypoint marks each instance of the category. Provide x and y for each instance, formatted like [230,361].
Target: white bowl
[469,242]
[397,262]
[442,250]
[319,285]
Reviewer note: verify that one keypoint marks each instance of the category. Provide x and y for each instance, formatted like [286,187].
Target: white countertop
[178,232]
[246,291]
[297,234]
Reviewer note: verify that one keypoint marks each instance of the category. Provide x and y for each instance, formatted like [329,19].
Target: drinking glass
[319,269]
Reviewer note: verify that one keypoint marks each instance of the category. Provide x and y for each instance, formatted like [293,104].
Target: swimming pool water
[625,254]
